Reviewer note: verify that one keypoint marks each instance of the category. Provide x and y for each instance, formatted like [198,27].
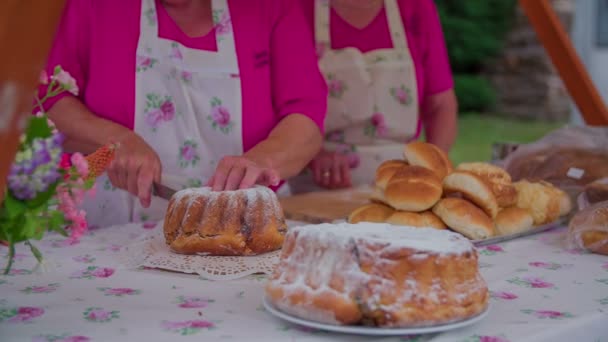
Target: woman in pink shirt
[387,68]
[194,92]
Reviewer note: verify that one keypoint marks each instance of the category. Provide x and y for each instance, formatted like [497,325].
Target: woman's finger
[346,180]
[221,174]
[144,186]
[336,171]
[250,177]
[132,177]
[235,176]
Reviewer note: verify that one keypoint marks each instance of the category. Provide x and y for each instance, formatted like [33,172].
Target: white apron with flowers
[187,108]
[373,99]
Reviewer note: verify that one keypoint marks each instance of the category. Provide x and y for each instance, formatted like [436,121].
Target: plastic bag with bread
[588,229]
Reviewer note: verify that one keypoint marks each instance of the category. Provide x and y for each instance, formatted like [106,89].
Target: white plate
[375,331]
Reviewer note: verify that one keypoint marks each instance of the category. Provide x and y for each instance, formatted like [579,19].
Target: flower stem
[35,251]
[11,257]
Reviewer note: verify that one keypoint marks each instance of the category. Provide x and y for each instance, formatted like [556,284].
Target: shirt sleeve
[437,72]
[70,48]
[297,83]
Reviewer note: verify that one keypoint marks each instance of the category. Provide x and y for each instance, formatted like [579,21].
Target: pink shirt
[97,40]
[424,37]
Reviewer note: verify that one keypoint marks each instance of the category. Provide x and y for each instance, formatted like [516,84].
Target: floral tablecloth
[540,292]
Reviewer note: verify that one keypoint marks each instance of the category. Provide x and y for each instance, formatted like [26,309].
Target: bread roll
[513,220]
[423,219]
[473,188]
[597,191]
[413,188]
[386,170]
[428,155]
[543,202]
[372,212]
[588,229]
[465,218]
[498,179]
[377,195]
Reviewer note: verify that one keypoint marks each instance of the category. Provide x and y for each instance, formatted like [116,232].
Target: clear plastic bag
[569,158]
[588,229]
[593,193]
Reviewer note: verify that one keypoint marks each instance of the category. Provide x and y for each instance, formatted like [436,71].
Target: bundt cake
[227,223]
[377,274]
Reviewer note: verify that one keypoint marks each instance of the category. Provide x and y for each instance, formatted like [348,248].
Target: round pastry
[473,188]
[373,212]
[378,275]
[386,170]
[428,155]
[425,219]
[498,179]
[464,217]
[513,220]
[377,195]
[413,188]
[543,202]
[588,229]
[597,191]
[241,222]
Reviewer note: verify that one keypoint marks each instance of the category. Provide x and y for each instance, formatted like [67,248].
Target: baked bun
[498,179]
[473,188]
[413,188]
[465,218]
[377,196]
[588,229]
[513,220]
[373,212]
[597,191]
[542,200]
[428,155]
[386,170]
[425,219]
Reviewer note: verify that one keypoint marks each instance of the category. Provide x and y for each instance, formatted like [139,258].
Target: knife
[162,191]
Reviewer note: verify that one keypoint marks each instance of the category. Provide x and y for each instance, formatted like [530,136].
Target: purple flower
[154,118]
[220,115]
[168,110]
[26,314]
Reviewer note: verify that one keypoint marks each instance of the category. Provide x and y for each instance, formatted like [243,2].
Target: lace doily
[152,251]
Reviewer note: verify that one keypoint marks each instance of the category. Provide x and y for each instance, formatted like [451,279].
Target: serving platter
[374,331]
[539,229]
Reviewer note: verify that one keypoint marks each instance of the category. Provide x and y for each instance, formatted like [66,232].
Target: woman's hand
[242,172]
[135,167]
[331,170]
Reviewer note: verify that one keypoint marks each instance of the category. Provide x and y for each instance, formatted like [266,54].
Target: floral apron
[373,99]
[187,108]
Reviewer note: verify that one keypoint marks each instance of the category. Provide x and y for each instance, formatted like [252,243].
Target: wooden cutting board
[326,206]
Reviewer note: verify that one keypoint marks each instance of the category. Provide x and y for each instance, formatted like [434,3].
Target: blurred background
[507,87]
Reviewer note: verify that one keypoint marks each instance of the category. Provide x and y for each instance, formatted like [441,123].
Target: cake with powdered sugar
[377,274]
[224,223]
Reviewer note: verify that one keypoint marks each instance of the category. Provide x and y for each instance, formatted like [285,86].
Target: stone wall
[527,84]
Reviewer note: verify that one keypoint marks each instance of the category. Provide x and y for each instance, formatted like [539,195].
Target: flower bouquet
[44,185]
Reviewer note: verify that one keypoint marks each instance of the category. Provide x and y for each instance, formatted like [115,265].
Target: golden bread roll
[373,212]
[498,179]
[377,195]
[543,202]
[589,229]
[465,218]
[513,220]
[473,188]
[413,188]
[423,219]
[428,155]
[386,170]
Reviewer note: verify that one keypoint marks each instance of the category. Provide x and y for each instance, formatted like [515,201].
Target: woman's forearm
[84,131]
[441,119]
[290,146]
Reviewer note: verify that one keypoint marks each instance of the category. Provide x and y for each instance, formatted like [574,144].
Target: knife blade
[163,191]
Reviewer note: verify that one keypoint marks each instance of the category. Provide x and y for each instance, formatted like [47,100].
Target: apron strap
[322,32]
[395,25]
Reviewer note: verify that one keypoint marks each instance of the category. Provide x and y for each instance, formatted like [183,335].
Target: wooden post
[567,62]
[27,28]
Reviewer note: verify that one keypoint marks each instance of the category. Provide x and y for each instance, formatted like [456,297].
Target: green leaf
[43,198]
[56,220]
[29,226]
[13,206]
[35,251]
[57,70]
[38,127]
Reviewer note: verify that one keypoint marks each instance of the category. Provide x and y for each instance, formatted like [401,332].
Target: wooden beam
[27,28]
[567,62]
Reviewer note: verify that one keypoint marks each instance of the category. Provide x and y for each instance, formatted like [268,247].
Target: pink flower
[82,166]
[221,115]
[223,26]
[149,225]
[199,324]
[492,339]
[320,48]
[144,62]
[538,283]
[154,118]
[494,248]
[504,295]
[188,152]
[353,160]
[335,136]
[66,81]
[65,161]
[402,95]
[176,54]
[335,87]
[539,264]
[42,289]
[168,110]
[25,314]
[120,291]
[193,302]
[548,314]
[186,76]
[44,77]
[98,315]
[103,272]
[75,339]
[378,119]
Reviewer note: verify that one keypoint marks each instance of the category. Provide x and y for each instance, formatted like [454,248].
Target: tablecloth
[540,292]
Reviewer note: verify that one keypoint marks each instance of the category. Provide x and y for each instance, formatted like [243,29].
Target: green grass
[477,133]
